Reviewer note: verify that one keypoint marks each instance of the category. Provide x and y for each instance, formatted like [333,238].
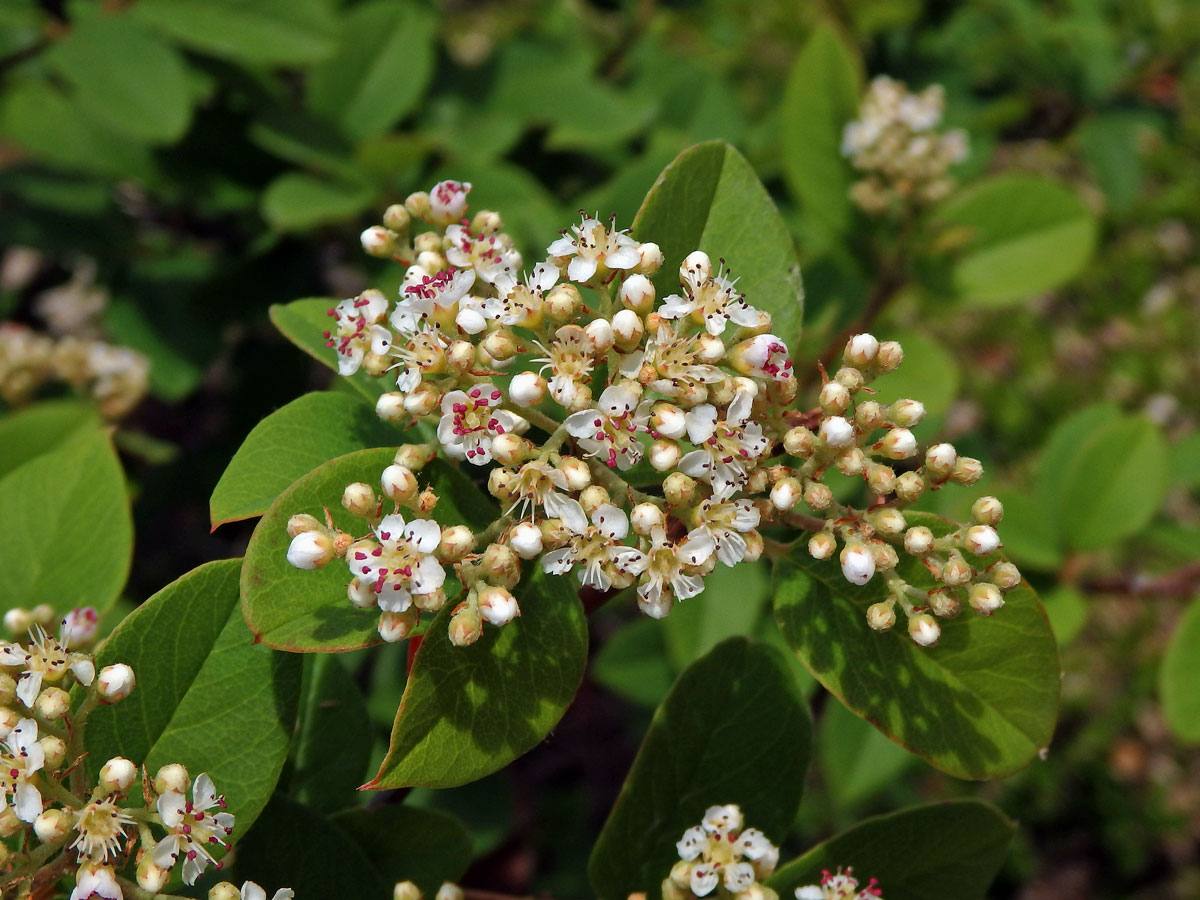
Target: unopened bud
[466,625]
[396,626]
[460,356]
[417,204]
[457,541]
[54,752]
[664,455]
[390,407]
[906,413]
[510,449]
[486,222]
[757,481]
[956,571]
[310,550]
[981,540]
[18,621]
[378,241]
[1005,575]
[851,379]
[645,517]
[563,302]
[822,545]
[8,691]
[940,460]
[679,489]
[837,432]
[886,557]
[502,483]
[422,400]
[881,479]
[868,415]
[172,777]
[858,563]
[576,471]
[375,364]
[881,616]
[361,593]
[861,350]
[898,443]
[527,389]
[593,497]
[985,598]
[918,540]
[834,398]
[924,629]
[44,614]
[406,890]
[650,258]
[53,825]
[987,511]
[117,775]
[359,499]
[52,704]
[115,682]
[754,551]
[449,891]
[799,441]
[150,877]
[497,605]
[9,823]
[627,330]
[851,462]
[79,626]
[888,522]
[224,890]
[967,470]
[399,483]
[786,493]
[396,218]
[501,565]
[525,538]
[890,355]
[711,349]
[910,487]
[943,604]
[817,496]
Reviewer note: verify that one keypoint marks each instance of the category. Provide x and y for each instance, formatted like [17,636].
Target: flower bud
[906,413]
[890,355]
[799,441]
[822,545]
[754,551]
[762,356]
[310,550]
[858,563]
[54,752]
[918,540]
[431,602]
[834,398]
[115,682]
[417,204]
[527,389]
[17,621]
[786,493]
[422,400]
[967,470]
[985,598]
[757,481]
[8,692]
[224,890]
[359,500]
[817,496]
[956,571]
[53,825]
[664,455]
[378,241]
[172,777]
[576,472]
[406,890]
[924,629]
[117,775]
[563,302]
[837,432]
[396,218]
[510,449]
[910,487]
[466,625]
[399,484]
[940,460]
[390,407]
[987,511]
[650,258]
[898,443]
[500,345]
[554,533]
[888,522]
[497,605]
[679,489]
[868,415]
[460,356]
[79,626]
[881,616]
[375,364]
[150,877]
[302,522]
[525,538]
[448,202]
[413,456]
[593,497]
[886,557]
[457,541]
[598,336]
[502,483]
[627,329]
[501,565]
[943,604]
[696,266]
[851,462]
[52,704]
[645,517]
[851,379]
[711,349]
[396,626]
[449,891]
[487,222]
[361,593]
[881,479]
[9,823]
[861,350]
[1005,575]
[667,420]
[981,540]
[44,614]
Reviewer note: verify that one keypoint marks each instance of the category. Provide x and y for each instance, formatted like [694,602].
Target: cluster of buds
[632,442]
[86,829]
[894,144]
[227,890]
[116,378]
[839,885]
[408,890]
[719,858]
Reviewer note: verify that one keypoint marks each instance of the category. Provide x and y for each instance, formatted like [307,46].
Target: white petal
[84,670]
[698,547]
[583,424]
[581,269]
[739,408]
[701,423]
[170,808]
[29,802]
[28,687]
[393,597]
[251,891]
[423,534]
[166,851]
[696,464]
[564,246]
[571,513]
[429,576]
[204,793]
[622,258]
[559,562]
[611,521]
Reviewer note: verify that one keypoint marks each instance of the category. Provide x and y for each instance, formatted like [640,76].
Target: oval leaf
[980,704]
[68,531]
[207,696]
[304,323]
[42,428]
[1029,235]
[296,200]
[290,443]
[333,738]
[1179,677]
[732,717]
[942,850]
[469,711]
[710,199]
[306,611]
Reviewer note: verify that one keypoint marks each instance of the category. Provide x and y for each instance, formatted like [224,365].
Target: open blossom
[94,880]
[666,574]
[725,522]
[101,830]
[609,431]
[520,302]
[423,352]
[763,356]
[673,365]
[719,851]
[45,659]
[424,296]
[470,421]
[487,254]
[727,447]
[598,550]
[400,563]
[711,300]
[20,759]
[538,484]
[569,359]
[839,885]
[592,246]
[358,330]
[252,891]
[448,201]
[193,830]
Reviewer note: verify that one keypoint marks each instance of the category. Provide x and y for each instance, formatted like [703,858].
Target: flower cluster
[88,829]
[408,890]
[895,145]
[115,377]
[631,443]
[839,885]
[719,858]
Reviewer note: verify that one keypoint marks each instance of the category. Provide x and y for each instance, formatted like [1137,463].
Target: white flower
[858,563]
[839,885]
[721,820]
[251,891]
[21,759]
[358,330]
[664,574]
[716,851]
[537,484]
[470,420]
[310,550]
[569,359]
[680,372]
[401,563]
[598,550]
[520,303]
[726,522]
[609,432]
[727,446]
[96,881]
[448,201]
[101,827]
[592,246]
[711,300]
[45,659]
[425,297]
[193,830]
[487,254]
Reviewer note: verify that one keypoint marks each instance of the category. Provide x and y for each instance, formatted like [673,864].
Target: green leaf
[292,846]
[380,72]
[469,711]
[256,32]
[980,704]
[633,663]
[1027,235]
[333,741]
[734,729]
[1067,610]
[304,323]
[1179,677]
[1109,142]
[290,443]
[731,603]
[710,199]
[125,77]
[820,97]
[930,852]
[857,760]
[406,843]
[207,696]
[485,807]
[296,201]
[1185,461]
[68,532]
[307,611]
[42,428]
[1105,481]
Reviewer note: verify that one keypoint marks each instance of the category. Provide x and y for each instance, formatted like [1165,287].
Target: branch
[1182,583]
